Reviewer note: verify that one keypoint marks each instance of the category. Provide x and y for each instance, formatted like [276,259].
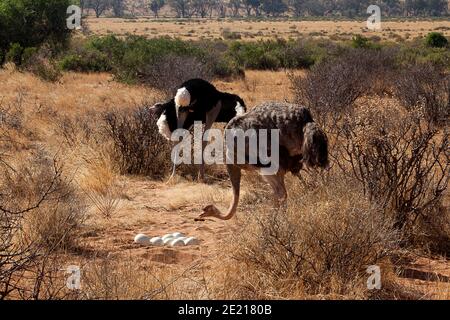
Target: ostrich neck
[235,179]
[231,210]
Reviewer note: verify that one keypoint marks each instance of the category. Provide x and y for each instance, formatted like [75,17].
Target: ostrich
[197,100]
[301,142]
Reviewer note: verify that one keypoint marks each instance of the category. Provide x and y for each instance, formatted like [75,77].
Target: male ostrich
[300,142]
[197,100]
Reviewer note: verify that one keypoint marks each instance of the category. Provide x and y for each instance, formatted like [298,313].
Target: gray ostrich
[301,142]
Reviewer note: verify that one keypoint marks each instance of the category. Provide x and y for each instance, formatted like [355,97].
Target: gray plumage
[301,142]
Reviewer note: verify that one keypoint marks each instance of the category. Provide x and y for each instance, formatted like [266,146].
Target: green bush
[29,23]
[271,54]
[436,40]
[361,42]
[28,54]
[14,54]
[86,61]
[40,63]
[413,54]
[47,71]
[131,58]
[224,67]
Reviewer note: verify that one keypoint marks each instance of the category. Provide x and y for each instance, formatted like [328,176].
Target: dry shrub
[41,65]
[321,245]
[401,161]
[425,87]
[330,88]
[402,164]
[13,129]
[57,211]
[138,148]
[78,129]
[171,71]
[40,213]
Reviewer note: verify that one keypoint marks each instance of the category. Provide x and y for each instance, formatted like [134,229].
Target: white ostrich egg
[177,242]
[177,235]
[168,240]
[156,241]
[142,239]
[169,235]
[191,241]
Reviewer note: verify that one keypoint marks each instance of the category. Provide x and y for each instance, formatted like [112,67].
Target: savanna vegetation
[83,167]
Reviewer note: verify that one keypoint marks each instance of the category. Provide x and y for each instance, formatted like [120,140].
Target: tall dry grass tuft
[40,208]
[101,184]
[320,246]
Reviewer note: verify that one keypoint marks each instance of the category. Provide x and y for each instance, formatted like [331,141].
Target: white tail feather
[163,127]
[239,109]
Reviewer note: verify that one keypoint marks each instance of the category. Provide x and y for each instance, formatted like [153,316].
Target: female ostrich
[300,142]
[197,100]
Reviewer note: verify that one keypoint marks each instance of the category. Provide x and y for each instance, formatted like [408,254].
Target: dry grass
[102,186]
[320,247]
[109,279]
[260,86]
[256,30]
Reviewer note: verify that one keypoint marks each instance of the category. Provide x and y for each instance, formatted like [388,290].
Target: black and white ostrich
[301,142]
[197,100]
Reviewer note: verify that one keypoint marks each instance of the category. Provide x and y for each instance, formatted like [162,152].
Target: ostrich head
[182,107]
[210,211]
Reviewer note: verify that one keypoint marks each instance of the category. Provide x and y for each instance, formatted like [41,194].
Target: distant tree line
[271,8]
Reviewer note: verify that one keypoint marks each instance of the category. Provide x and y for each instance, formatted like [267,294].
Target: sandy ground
[154,208]
[254,30]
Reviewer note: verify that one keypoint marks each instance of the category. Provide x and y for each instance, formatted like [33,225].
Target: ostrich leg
[211,117]
[279,189]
